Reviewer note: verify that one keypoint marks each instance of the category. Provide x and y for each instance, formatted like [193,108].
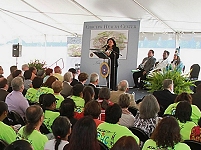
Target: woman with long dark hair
[88,94]
[84,136]
[112,51]
[166,136]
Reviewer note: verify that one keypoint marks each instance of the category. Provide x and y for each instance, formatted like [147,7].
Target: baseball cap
[48,99]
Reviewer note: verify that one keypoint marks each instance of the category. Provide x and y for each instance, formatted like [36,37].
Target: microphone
[105,45]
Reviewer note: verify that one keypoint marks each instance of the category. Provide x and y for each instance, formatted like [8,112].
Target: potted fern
[181,82]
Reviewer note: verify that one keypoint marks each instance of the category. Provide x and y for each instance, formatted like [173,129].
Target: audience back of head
[20,145]
[113,114]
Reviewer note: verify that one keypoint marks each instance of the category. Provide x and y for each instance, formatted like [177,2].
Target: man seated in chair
[144,68]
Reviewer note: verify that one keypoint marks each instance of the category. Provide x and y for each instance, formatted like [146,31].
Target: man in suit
[94,80]
[122,88]
[144,68]
[3,88]
[196,97]
[166,96]
[66,91]
[74,72]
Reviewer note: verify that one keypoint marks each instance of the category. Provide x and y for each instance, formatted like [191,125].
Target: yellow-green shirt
[7,133]
[60,99]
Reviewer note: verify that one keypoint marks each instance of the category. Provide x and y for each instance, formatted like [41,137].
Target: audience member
[123,87]
[27,79]
[183,115]
[74,72]
[32,94]
[57,73]
[84,136]
[126,143]
[49,105]
[20,145]
[3,88]
[176,64]
[93,109]
[48,73]
[61,129]
[77,97]
[57,87]
[7,133]
[31,131]
[196,97]
[34,72]
[17,73]
[94,80]
[166,136]
[82,77]
[196,114]
[147,117]
[88,94]
[144,68]
[109,131]
[67,88]
[127,119]
[166,96]
[15,100]
[67,109]
[1,71]
[25,67]
[10,77]
[196,132]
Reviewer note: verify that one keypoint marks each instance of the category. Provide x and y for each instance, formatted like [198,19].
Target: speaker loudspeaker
[17,50]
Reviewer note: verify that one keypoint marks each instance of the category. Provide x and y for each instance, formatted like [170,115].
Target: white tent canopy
[66,17]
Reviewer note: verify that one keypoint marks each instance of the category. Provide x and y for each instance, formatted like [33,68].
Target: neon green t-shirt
[185,129]
[109,133]
[36,139]
[79,103]
[31,95]
[44,90]
[60,99]
[7,133]
[151,145]
[49,117]
[196,114]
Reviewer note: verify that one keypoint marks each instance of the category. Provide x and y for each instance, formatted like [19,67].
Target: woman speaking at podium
[113,52]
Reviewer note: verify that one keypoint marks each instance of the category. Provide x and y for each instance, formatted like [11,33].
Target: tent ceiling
[66,17]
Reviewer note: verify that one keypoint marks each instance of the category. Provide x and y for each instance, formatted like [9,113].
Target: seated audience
[57,73]
[93,109]
[82,77]
[196,97]
[10,77]
[49,105]
[48,73]
[67,109]
[31,131]
[7,133]
[25,67]
[74,72]
[166,96]
[3,88]
[17,73]
[61,129]
[183,115]
[88,94]
[57,87]
[77,97]
[147,117]
[196,132]
[84,136]
[1,71]
[166,136]
[27,79]
[144,68]
[123,87]
[103,99]
[110,131]
[34,72]
[126,143]
[20,145]
[67,88]
[176,64]
[127,119]
[196,114]
[94,80]
[15,100]
[32,94]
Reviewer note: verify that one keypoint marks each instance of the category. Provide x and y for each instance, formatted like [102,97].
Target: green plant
[181,82]
[36,63]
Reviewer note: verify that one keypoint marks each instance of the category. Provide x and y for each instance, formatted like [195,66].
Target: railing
[55,63]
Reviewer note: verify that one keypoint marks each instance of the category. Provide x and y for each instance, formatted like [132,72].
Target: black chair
[103,146]
[139,133]
[133,110]
[3,144]
[195,70]
[16,118]
[44,129]
[194,145]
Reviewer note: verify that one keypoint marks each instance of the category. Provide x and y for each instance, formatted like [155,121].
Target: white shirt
[161,64]
[51,144]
